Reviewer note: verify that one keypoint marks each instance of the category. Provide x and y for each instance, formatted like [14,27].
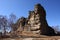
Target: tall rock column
[38,23]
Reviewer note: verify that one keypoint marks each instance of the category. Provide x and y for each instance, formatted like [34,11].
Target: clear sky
[22,7]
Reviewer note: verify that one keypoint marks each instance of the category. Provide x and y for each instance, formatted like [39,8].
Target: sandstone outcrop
[36,22]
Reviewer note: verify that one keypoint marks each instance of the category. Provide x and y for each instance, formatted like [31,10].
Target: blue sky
[22,7]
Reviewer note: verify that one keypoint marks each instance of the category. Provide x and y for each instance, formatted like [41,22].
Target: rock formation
[21,23]
[36,22]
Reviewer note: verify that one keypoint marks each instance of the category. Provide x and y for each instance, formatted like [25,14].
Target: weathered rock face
[38,23]
[21,23]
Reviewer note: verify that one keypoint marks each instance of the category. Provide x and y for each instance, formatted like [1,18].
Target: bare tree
[12,18]
[3,23]
[12,21]
[7,24]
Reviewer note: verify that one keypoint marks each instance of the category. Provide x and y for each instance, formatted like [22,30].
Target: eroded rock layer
[36,22]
